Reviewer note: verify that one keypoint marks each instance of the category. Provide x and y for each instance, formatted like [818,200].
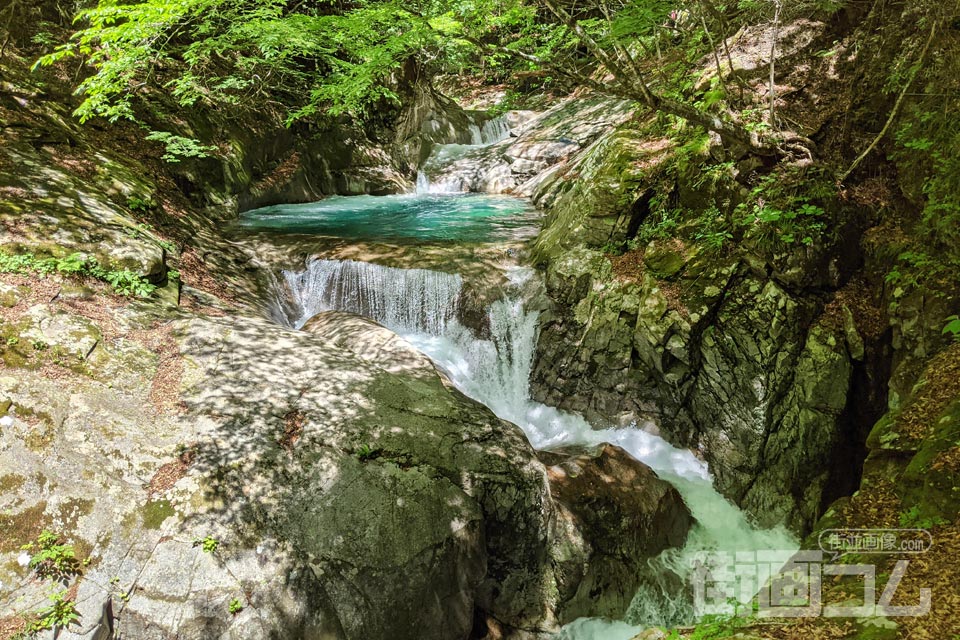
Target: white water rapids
[422,307]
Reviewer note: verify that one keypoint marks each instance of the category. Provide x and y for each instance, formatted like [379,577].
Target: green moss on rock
[17,529]
[11,482]
[155,512]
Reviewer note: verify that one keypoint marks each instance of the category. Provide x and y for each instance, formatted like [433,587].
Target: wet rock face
[614,513]
[731,368]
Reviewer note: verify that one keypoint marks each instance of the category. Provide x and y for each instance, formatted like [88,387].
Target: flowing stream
[422,307]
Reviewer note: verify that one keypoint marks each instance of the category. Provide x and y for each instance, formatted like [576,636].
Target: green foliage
[226,52]
[21,263]
[179,148]
[44,39]
[712,174]
[330,59]
[365,452]
[236,606]
[770,225]
[510,101]
[927,140]
[778,214]
[912,519]
[662,222]
[926,135]
[136,203]
[693,146]
[123,281]
[756,120]
[207,544]
[712,231]
[620,248]
[717,627]
[952,328]
[50,559]
[60,613]
[128,283]
[914,268]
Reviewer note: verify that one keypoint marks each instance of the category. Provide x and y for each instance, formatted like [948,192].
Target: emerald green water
[421,217]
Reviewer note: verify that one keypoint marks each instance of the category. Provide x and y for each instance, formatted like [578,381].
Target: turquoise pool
[422,217]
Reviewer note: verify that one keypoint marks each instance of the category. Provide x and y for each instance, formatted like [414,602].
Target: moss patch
[18,529]
[931,482]
[155,512]
[17,351]
[40,437]
[72,510]
[11,482]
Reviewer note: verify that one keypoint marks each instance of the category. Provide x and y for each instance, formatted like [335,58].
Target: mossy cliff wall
[753,310]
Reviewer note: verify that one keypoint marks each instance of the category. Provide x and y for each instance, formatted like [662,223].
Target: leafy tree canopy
[341,56]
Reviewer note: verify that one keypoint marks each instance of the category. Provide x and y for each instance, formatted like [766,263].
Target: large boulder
[614,514]
[223,476]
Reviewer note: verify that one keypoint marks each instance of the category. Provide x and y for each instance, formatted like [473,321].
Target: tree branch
[896,106]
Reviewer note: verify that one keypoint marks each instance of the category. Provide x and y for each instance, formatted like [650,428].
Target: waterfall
[476,135]
[493,131]
[400,299]
[421,307]
[423,183]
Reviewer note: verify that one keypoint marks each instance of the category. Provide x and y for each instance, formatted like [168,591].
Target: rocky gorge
[229,457]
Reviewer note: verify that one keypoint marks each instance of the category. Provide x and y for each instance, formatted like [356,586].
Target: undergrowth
[782,211]
[52,560]
[123,281]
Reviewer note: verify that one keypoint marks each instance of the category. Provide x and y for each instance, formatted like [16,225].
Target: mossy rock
[65,335]
[931,482]
[156,512]
[885,436]
[875,629]
[11,295]
[11,482]
[17,349]
[596,209]
[664,262]
[17,529]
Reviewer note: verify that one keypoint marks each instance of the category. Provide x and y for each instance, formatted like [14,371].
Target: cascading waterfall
[423,183]
[421,306]
[493,131]
[416,299]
